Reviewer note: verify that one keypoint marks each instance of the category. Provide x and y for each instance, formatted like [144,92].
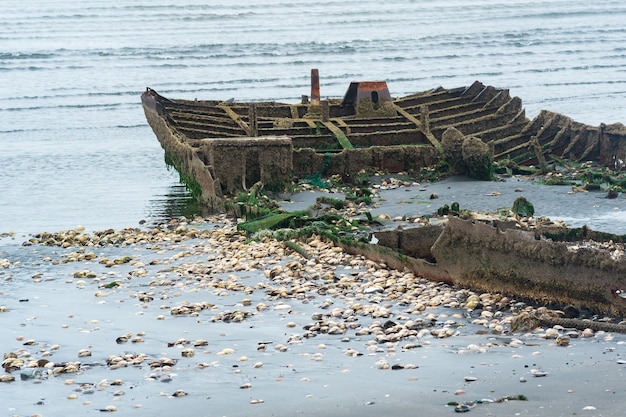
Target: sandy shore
[195,318]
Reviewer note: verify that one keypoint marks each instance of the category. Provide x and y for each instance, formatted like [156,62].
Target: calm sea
[74,144]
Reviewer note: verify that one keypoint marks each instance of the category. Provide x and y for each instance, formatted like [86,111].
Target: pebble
[7,378]
[562,340]
[188,353]
[83,353]
[386,312]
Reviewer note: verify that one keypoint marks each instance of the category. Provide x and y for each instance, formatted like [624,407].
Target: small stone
[187,353]
[200,342]
[562,340]
[84,353]
[109,409]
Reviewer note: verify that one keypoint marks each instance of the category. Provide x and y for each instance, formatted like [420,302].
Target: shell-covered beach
[193,315]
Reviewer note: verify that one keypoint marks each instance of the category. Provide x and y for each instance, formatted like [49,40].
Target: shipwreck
[223,147]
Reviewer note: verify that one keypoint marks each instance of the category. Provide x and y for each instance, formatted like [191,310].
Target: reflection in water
[175,203]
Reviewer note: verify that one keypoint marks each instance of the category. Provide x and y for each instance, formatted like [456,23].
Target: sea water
[75,147]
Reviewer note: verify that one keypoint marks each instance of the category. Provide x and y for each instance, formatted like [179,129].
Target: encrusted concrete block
[238,163]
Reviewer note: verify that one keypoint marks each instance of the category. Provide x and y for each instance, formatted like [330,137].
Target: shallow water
[75,147]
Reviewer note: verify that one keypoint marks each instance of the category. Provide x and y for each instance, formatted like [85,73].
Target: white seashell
[84,353]
[200,342]
[7,378]
[373,289]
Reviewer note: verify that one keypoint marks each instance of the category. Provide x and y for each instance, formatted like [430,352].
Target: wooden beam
[236,118]
[341,137]
[419,125]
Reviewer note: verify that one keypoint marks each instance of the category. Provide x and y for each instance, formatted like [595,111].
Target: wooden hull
[502,258]
[390,134]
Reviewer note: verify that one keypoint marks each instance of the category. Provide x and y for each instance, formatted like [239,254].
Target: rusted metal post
[252,121]
[315,87]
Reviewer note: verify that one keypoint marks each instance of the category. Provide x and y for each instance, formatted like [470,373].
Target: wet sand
[555,202]
[317,309]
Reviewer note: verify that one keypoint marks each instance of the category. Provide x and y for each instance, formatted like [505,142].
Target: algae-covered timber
[549,265]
